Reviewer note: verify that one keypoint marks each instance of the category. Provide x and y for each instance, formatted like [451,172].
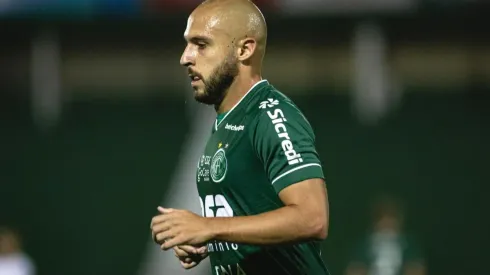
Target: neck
[237,90]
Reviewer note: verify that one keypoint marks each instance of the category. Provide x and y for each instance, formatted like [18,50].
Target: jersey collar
[263,81]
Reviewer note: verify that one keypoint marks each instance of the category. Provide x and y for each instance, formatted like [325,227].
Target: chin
[198,93]
[200,97]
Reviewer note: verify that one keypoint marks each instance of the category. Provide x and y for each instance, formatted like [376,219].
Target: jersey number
[215,206]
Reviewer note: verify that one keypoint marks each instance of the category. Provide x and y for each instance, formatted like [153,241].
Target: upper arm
[308,192]
[311,197]
[285,143]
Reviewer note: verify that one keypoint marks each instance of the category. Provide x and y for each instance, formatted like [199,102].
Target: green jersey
[261,146]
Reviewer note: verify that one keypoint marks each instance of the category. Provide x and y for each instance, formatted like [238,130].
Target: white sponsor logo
[234,127]
[203,169]
[217,206]
[269,103]
[229,270]
[278,120]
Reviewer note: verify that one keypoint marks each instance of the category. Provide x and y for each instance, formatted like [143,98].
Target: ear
[246,48]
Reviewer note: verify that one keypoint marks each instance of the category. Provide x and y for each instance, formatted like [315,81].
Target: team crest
[219,165]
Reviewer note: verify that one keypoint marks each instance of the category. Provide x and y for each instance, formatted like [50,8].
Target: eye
[201,46]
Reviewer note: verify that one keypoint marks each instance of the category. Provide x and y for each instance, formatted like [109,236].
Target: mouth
[194,78]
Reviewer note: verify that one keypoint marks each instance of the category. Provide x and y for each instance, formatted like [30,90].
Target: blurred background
[99,127]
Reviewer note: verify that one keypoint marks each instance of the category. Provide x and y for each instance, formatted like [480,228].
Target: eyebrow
[198,38]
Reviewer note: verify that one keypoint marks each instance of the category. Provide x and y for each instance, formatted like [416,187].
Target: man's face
[209,58]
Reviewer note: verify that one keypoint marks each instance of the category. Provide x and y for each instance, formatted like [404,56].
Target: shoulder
[274,110]
[271,104]
[283,139]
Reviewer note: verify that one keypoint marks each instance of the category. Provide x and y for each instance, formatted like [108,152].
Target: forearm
[286,224]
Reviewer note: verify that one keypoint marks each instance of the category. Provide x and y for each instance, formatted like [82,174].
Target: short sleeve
[284,141]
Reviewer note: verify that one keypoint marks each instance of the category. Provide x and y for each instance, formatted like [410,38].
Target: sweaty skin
[231,30]
[238,19]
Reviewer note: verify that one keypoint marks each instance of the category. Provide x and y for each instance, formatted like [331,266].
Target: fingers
[189,249]
[165,236]
[189,260]
[179,253]
[184,250]
[202,249]
[188,265]
[164,230]
[165,210]
[172,242]
[162,227]
[159,231]
[163,216]
[158,219]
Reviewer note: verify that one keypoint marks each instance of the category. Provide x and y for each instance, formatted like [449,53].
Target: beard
[218,83]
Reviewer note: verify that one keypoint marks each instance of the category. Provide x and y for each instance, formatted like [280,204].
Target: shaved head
[239,18]
[226,39]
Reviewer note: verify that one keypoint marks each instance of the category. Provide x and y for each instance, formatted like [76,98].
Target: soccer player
[260,181]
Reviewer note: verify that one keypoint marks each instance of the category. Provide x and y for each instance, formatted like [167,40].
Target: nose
[187,58]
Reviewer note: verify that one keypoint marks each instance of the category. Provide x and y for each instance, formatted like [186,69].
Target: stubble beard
[218,83]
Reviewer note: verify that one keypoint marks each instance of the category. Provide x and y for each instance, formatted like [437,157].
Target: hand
[190,256]
[179,227]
